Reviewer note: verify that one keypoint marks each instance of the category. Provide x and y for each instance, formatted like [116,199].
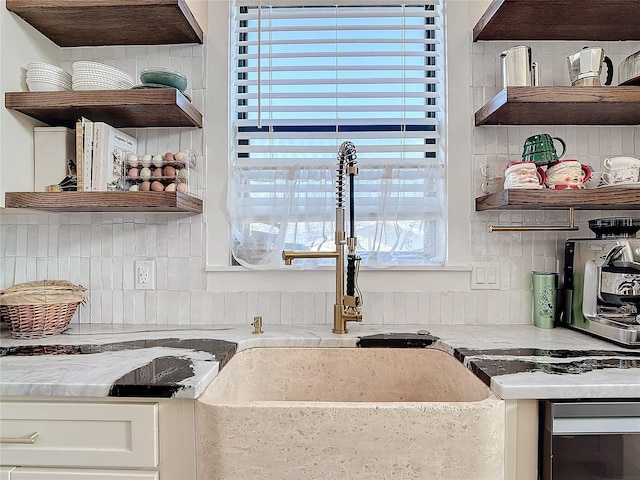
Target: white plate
[36,86]
[95,86]
[101,76]
[104,81]
[621,185]
[47,73]
[44,78]
[46,66]
[101,69]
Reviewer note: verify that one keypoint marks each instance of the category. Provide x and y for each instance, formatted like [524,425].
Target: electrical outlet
[485,275]
[145,274]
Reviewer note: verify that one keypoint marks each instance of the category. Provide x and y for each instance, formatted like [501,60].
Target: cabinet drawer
[66,474]
[79,434]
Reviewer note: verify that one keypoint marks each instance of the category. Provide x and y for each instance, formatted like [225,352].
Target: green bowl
[164,76]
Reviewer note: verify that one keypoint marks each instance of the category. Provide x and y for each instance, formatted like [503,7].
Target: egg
[157,186]
[181,187]
[181,157]
[133,173]
[146,160]
[145,173]
[145,186]
[132,160]
[169,172]
[169,158]
[157,172]
[134,188]
[157,160]
[170,188]
[182,175]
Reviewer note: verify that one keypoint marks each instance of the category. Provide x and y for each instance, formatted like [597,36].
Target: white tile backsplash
[98,250]
[589,144]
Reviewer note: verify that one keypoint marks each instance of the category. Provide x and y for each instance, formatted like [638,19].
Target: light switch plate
[485,275]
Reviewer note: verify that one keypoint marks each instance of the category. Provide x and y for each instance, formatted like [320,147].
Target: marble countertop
[164,361]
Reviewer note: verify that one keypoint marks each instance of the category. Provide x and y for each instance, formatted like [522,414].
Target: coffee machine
[601,282]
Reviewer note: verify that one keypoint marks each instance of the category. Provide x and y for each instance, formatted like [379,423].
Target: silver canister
[517,68]
[585,67]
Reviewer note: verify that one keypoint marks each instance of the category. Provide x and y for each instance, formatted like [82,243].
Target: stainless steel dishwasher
[590,440]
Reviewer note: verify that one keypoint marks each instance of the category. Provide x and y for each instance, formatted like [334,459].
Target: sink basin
[280,413]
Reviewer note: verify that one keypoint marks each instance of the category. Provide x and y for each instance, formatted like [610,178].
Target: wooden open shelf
[150,202]
[157,107]
[562,106]
[610,20]
[75,23]
[610,198]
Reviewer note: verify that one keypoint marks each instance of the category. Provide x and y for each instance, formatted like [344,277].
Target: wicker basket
[40,309]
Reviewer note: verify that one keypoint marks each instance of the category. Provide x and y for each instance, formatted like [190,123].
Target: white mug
[524,175]
[615,163]
[492,185]
[595,181]
[493,170]
[621,175]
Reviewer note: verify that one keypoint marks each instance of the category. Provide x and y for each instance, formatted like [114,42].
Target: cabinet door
[68,474]
[5,472]
[73,434]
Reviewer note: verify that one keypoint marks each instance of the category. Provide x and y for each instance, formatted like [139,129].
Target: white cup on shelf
[616,163]
[621,175]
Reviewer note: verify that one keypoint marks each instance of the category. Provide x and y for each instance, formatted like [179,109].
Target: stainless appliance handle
[593,418]
[614,252]
[596,426]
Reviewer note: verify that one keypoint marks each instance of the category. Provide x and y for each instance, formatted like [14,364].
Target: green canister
[545,298]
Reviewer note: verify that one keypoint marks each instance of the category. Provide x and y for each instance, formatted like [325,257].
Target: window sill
[239,268]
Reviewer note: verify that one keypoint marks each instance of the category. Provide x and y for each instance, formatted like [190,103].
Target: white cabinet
[96,439]
[80,434]
[72,439]
[68,474]
[5,472]
[521,440]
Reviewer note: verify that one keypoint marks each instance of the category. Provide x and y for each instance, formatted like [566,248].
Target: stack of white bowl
[43,77]
[98,76]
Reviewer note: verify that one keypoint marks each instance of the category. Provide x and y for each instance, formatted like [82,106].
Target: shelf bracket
[571,227]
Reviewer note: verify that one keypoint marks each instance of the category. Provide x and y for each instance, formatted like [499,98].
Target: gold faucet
[348,307]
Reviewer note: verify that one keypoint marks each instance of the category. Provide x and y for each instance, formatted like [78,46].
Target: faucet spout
[290,255]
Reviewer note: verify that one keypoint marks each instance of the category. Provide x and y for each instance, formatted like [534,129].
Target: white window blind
[308,77]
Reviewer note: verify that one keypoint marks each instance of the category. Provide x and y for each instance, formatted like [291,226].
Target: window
[307,78]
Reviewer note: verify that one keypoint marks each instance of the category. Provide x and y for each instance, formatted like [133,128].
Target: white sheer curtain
[308,77]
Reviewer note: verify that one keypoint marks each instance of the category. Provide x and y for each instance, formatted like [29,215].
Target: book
[110,149]
[84,145]
[87,157]
[79,152]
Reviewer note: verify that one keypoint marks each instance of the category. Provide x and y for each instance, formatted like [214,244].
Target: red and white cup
[568,174]
[525,175]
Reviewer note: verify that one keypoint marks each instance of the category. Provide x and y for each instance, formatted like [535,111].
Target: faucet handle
[352,311]
[351,302]
[257,325]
